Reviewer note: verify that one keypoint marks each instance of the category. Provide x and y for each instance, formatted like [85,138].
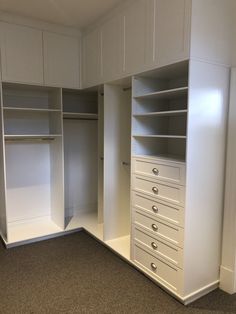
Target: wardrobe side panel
[206,139]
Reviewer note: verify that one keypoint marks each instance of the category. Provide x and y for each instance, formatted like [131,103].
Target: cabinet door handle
[155,171]
[155,209]
[154,245]
[154,266]
[155,190]
[154,227]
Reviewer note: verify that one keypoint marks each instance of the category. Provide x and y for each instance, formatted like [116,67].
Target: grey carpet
[77,274]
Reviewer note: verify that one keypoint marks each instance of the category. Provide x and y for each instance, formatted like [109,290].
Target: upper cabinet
[171,30]
[61,60]
[91,58]
[21,54]
[137,42]
[112,48]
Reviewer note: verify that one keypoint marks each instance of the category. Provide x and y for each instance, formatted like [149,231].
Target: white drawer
[157,268]
[159,247]
[171,233]
[163,191]
[171,213]
[160,169]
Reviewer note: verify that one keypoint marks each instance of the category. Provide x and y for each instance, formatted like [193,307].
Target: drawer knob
[154,266]
[155,171]
[154,227]
[155,209]
[155,190]
[154,245]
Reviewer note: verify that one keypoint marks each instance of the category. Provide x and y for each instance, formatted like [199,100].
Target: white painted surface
[228,263]
[212,28]
[21,54]
[70,13]
[61,60]
[100,157]
[91,54]
[121,245]
[117,119]
[112,48]
[172,30]
[207,117]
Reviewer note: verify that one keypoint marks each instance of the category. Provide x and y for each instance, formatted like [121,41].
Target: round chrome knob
[154,245]
[155,209]
[154,227]
[154,266]
[155,171]
[155,190]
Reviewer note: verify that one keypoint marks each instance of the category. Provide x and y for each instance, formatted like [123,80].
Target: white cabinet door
[138,20]
[21,54]
[91,59]
[172,30]
[61,60]
[112,33]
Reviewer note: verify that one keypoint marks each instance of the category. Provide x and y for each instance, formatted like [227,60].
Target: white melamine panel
[100,156]
[160,169]
[212,30]
[168,192]
[135,30]
[158,268]
[171,233]
[207,117]
[117,125]
[3,212]
[61,60]
[80,158]
[228,263]
[28,181]
[162,210]
[91,58]
[21,54]
[159,247]
[172,30]
[112,48]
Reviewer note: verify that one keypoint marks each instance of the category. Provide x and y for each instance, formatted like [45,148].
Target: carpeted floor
[76,274]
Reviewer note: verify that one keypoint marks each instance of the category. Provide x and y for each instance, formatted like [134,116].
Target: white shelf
[165,94]
[165,157]
[121,245]
[30,109]
[29,137]
[160,136]
[88,221]
[31,229]
[162,113]
[79,115]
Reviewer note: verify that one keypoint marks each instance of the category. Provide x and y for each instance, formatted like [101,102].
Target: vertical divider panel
[100,156]
[3,213]
[57,174]
[117,123]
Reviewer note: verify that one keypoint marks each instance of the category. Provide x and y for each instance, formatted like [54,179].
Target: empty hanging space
[33,166]
[117,132]
[80,127]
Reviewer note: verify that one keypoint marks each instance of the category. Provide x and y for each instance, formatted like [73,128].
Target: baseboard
[227,280]
[200,293]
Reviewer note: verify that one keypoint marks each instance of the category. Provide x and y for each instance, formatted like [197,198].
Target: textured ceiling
[75,13]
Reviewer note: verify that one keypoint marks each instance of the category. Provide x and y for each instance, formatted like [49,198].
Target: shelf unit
[80,133]
[31,123]
[175,187]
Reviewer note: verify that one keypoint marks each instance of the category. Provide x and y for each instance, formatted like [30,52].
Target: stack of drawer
[158,197]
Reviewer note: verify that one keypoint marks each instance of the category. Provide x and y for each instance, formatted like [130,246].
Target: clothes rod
[71,118]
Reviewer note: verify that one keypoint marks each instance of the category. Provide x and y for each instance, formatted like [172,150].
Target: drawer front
[157,268]
[169,193]
[170,233]
[158,247]
[161,170]
[159,210]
